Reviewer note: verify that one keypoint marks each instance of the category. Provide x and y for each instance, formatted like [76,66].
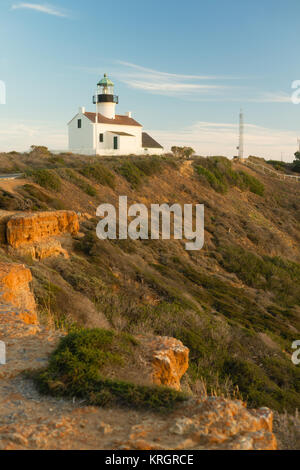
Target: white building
[106,133]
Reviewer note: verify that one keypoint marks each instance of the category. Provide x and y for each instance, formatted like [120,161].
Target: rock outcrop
[210,424]
[15,291]
[35,227]
[45,249]
[4,218]
[39,234]
[167,359]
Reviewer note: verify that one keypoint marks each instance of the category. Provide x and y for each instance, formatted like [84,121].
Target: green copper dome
[105,81]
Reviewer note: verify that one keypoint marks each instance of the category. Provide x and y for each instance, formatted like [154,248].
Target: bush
[77,368]
[211,178]
[9,201]
[131,173]
[39,151]
[48,179]
[282,277]
[100,174]
[39,199]
[252,184]
[259,389]
[182,152]
[79,182]
[219,174]
[149,166]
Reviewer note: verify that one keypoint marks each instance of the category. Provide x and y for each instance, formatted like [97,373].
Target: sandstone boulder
[167,359]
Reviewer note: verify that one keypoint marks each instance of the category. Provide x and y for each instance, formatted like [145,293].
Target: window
[79,123]
[115,143]
[101,137]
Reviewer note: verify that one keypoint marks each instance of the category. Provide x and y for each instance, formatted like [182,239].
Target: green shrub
[79,182]
[212,179]
[219,174]
[131,173]
[282,277]
[99,173]
[39,151]
[48,179]
[259,389]
[35,193]
[9,201]
[40,200]
[149,166]
[252,184]
[56,161]
[77,368]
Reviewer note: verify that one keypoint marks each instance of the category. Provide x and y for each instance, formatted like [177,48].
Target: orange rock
[208,425]
[15,290]
[44,249]
[169,359]
[34,227]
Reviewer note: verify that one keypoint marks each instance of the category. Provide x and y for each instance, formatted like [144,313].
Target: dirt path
[12,185]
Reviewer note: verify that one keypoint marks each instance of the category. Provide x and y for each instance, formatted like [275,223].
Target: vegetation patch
[48,179]
[40,200]
[218,172]
[77,368]
[131,173]
[99,173]
[137,170]
[278,391]
[73,177]
[282,277]
[9,201]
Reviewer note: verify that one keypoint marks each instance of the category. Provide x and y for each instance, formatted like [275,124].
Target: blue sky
[183,68]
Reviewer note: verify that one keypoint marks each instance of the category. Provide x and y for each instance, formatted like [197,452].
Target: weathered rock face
[45,249]
[4,218]
[31,228]
[210,424]
[168,359]
[15,291]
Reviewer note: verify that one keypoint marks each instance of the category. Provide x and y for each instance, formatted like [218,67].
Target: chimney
[81,110]
[129,114]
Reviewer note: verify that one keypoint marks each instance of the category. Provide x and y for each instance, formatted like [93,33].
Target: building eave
[119,120]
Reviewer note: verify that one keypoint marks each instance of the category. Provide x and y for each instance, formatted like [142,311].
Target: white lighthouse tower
[105,99]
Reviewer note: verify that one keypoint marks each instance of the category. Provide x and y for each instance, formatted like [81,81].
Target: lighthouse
[104,132]
[105,99]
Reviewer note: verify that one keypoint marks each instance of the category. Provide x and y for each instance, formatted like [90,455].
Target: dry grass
[287,430]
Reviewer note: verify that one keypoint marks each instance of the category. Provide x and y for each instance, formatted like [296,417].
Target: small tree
[182,152]
[39,150]
[296,162]
[176,150]
[188,152]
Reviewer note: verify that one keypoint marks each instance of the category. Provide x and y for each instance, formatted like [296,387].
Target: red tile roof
[119,119]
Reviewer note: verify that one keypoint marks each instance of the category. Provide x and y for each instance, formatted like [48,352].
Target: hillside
[234,304]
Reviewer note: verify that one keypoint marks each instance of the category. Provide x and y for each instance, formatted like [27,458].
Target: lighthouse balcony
[105,98]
